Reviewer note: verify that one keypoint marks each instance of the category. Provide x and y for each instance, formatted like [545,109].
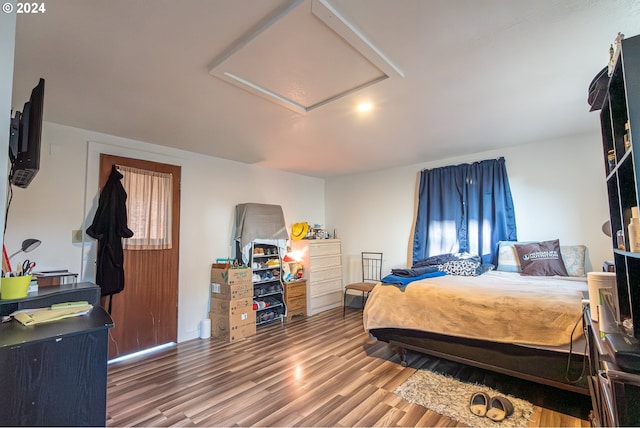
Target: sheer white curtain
[149,196]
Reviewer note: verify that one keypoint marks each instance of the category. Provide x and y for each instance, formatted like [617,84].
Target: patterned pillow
[460,267]
[574,257]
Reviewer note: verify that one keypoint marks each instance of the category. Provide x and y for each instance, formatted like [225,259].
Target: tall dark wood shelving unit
[614,386]
[622,106]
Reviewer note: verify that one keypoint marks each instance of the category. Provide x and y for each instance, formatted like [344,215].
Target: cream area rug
[450,397]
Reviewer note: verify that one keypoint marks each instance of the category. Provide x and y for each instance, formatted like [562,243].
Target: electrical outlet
[76,236]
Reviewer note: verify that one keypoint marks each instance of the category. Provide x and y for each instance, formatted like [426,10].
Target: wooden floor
[316,371]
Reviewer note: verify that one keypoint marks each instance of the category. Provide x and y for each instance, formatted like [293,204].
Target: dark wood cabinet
[620,115]
[54,374]
[614,380]
[47,296]
[615,393]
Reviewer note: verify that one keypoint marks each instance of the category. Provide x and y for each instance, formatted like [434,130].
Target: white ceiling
[474,75]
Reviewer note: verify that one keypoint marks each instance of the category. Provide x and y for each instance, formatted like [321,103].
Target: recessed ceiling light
[364,107]
[278,58]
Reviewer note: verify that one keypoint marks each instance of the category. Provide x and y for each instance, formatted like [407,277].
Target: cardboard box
[239,333]
[231,292]
[231,276]
[231,307]
[231,284]
[233,328]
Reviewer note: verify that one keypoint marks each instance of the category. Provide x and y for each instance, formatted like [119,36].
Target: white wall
[7,49]
[558,190]
[63,196]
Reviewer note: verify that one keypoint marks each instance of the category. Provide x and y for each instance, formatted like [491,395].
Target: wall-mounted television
[24,139]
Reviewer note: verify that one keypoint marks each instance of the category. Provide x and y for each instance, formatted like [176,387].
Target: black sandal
[500,408]
[479,403]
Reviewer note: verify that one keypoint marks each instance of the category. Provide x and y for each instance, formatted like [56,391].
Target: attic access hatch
[303,56]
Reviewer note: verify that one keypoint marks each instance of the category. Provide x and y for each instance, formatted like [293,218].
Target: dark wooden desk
[615,393]
[54,374]
[47,296]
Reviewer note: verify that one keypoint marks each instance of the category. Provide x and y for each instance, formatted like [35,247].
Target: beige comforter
[496,306]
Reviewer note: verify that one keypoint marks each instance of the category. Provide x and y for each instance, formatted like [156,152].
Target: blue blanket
[401,281]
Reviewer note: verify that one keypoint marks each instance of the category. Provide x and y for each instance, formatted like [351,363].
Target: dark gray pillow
[541,258]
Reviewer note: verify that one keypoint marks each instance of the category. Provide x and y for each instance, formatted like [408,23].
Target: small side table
[295,296]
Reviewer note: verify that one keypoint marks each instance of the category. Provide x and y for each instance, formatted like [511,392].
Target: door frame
[168,328]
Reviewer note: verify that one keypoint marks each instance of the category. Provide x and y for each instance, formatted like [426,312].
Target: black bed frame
[537,365]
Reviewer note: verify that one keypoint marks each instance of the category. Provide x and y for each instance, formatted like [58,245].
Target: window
[464,208]
[149,196]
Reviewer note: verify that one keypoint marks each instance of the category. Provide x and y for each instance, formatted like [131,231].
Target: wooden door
[145,313]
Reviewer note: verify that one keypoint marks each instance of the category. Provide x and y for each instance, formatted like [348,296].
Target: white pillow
[507,256]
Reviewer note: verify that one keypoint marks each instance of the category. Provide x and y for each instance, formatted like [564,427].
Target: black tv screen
[24,141]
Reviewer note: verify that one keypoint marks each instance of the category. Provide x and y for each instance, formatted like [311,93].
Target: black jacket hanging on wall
[109,227]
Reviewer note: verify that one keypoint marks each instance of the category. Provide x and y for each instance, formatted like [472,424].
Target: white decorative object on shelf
[614,52]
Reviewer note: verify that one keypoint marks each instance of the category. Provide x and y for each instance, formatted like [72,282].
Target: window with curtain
[464,208]
[149,196]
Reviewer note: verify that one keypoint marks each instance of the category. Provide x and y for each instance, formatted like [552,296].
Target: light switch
[76,236]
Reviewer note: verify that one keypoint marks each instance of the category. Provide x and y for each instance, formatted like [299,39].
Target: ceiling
[445,77]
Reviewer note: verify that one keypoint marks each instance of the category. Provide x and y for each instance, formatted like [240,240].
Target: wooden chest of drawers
[295,296]
[322,259]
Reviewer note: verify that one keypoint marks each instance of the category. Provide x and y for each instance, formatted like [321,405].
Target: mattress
[497,306]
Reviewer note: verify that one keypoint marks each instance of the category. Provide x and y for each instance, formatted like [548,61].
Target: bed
[528,326]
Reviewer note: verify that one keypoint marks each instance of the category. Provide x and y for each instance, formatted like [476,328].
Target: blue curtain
[464,208]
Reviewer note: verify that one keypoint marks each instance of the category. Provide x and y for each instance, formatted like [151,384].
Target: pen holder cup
[15,287]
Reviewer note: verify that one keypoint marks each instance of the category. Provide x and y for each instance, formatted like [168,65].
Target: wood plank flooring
[316,371]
